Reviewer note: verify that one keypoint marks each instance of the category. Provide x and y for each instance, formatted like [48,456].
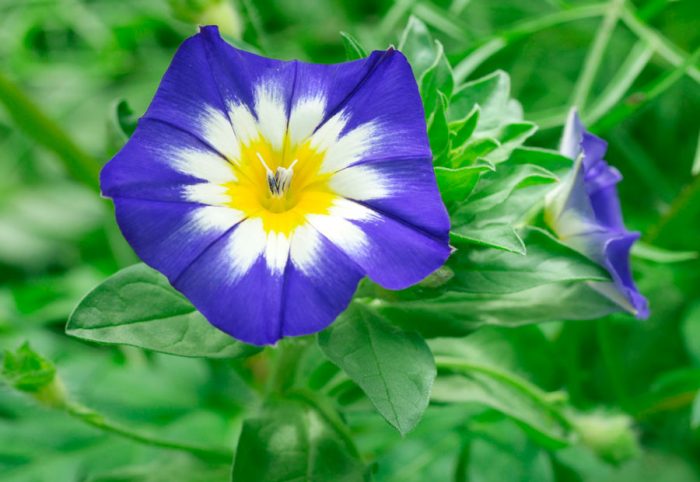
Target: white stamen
[279,181]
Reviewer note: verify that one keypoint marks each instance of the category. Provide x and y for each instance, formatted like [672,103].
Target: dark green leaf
[395,369]
[138,307]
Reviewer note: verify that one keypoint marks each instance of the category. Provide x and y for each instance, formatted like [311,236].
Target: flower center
[278,182]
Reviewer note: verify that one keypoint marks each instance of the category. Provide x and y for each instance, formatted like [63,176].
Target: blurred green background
[66,64]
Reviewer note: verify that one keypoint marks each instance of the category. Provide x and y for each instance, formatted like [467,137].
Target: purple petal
[585,212]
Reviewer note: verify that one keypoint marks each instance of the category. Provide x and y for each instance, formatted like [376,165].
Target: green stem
[664,47]
[96,420]
[595,54]
[45,131]
[329,415]
[644,95]
[542,398]
[493,45]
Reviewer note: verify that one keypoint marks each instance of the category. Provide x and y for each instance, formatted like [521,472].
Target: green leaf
[418,46]
[492,94]
[26,370]
[395,369]
[291,441]
[497,271]
[353,49]
[138,307]
[464,129]
[438,131]
[438,313]
[122,124]
[437,78]
[499,450]
[495,235]
[457,184]
[500,199]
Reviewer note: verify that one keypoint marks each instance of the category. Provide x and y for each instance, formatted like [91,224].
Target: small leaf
[138,307]
[418,46]
[457,184]
[291,441]
[437,78]
[464,129]
[497,235]
[438,132]
[353,49]
[26,370]
[395,369]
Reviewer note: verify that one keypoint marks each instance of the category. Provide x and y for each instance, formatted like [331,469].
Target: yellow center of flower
[280,186]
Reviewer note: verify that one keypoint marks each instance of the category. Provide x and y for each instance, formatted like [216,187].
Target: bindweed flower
[265,190]
[584,211]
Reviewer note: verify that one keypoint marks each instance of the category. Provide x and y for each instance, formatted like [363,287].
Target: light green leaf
[457,184]
[26,370]
[418,46]
[438,132]
[499,200]
[463,129]
[353,49]
[492,94]
[496,235]
[395,369]
[497,271]
[291,441]
[138,307]
[458,314]
[438,78]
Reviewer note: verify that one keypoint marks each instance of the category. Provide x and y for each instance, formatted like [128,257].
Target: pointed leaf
[394,368]
[353,49]
[138,307]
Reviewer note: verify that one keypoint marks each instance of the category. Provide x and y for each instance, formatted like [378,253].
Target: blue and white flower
[265,190]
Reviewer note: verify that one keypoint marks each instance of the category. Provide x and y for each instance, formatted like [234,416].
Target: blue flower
[265,190]
[584,211]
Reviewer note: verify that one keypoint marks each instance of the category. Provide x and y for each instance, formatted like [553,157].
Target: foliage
[480,372]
